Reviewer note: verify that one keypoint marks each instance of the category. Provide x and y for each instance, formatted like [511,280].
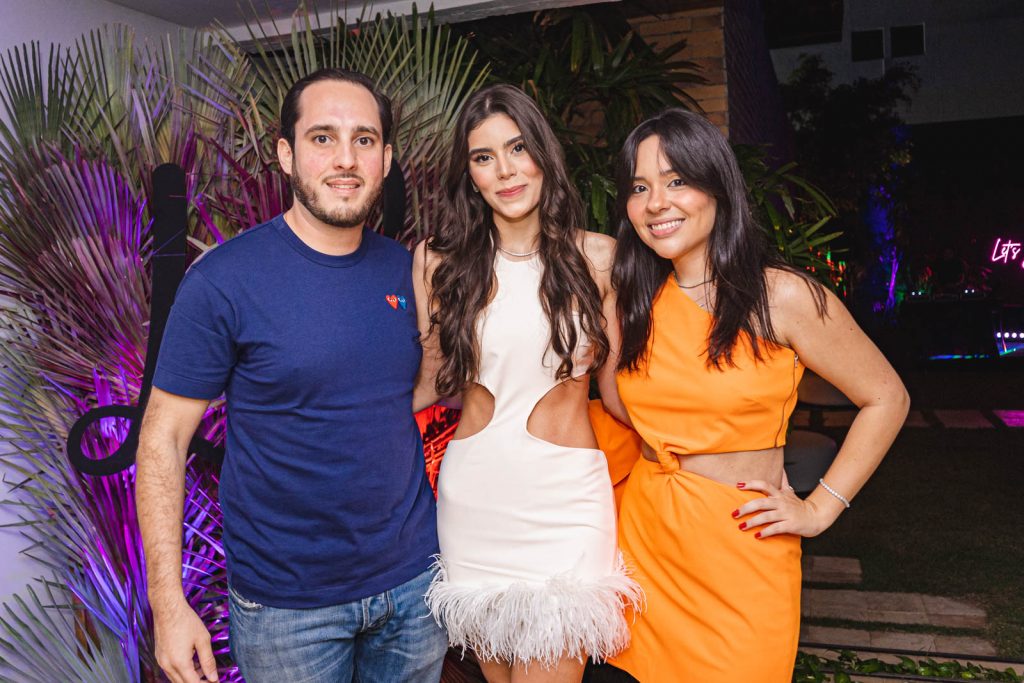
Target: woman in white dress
[516,309]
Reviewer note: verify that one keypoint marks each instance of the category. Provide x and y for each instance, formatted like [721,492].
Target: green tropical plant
[847,665]
[793,212]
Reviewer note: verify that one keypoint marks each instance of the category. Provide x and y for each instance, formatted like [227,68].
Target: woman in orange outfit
[716,332]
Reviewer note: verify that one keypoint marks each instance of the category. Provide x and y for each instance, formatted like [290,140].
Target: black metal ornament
[169,210]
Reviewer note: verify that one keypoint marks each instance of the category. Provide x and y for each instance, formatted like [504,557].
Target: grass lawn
[943,515]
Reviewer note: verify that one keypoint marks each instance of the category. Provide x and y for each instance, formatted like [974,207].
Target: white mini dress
[529,569]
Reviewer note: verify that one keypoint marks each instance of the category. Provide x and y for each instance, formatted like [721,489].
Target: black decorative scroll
[393,202]
[169,210]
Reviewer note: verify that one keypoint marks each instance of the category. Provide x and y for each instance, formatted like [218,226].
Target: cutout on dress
[472,421]
[556,427]
[731,471]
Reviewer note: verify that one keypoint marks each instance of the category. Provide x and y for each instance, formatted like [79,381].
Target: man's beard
[344,217]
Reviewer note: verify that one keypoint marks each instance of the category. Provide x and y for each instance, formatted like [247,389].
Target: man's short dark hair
[290,106]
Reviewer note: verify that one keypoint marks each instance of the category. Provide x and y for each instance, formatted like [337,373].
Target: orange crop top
[680,405]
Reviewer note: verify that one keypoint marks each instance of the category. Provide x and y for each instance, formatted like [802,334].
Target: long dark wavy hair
[738,250]
[466,241]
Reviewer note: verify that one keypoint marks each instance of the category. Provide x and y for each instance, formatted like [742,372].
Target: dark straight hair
[466,241]
[738,251]
[290,106]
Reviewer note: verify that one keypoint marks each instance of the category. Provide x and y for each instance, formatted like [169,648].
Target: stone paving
[962,419]
[940,417]
[924,643]
[841,570]
[891,608]
[888,610]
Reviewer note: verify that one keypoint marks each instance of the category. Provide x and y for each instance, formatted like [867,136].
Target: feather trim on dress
[536,622]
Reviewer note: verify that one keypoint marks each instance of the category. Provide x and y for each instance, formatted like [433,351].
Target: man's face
[337,167]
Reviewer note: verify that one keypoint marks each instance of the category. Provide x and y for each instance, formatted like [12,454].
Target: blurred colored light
[1011,418]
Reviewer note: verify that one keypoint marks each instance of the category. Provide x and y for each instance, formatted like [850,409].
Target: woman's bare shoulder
[800,305]
[598,248]
[792,292]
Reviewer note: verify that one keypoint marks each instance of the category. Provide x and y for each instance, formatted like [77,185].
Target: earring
[475,188]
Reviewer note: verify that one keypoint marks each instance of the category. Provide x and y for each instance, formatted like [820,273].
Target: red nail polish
[740,484]
[743,525]
[735,514]
[757,535]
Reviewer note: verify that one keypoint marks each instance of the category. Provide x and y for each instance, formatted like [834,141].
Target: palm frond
[793,211]
[427,70]
[73,257]
[43,641]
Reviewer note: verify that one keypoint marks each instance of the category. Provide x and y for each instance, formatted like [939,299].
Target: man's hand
[180,634]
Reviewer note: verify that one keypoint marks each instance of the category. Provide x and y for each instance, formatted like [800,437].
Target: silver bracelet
[835,493]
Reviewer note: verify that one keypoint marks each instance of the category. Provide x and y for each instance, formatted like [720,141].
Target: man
[307,324]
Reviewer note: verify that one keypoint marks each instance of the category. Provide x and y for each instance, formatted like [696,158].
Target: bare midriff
[560,417]
[730,468]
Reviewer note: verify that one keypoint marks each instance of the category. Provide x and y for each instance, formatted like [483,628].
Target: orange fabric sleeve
[620,443]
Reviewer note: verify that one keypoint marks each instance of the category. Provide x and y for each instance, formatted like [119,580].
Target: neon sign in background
[1006,251]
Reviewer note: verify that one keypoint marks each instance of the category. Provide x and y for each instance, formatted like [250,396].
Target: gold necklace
[516,253]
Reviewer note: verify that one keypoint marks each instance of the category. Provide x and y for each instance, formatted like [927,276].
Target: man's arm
[167,428]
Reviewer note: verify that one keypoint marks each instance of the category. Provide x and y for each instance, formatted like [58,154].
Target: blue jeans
[385,638]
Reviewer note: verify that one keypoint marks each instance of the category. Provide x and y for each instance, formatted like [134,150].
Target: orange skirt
[722,606]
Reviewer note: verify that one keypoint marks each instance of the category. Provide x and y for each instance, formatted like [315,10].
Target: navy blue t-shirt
[323,488]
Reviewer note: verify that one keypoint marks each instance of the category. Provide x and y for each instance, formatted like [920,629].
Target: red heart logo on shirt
[393,300]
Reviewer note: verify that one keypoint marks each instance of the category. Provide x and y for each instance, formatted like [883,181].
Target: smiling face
[337,167]
[672,218]
[502,169]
